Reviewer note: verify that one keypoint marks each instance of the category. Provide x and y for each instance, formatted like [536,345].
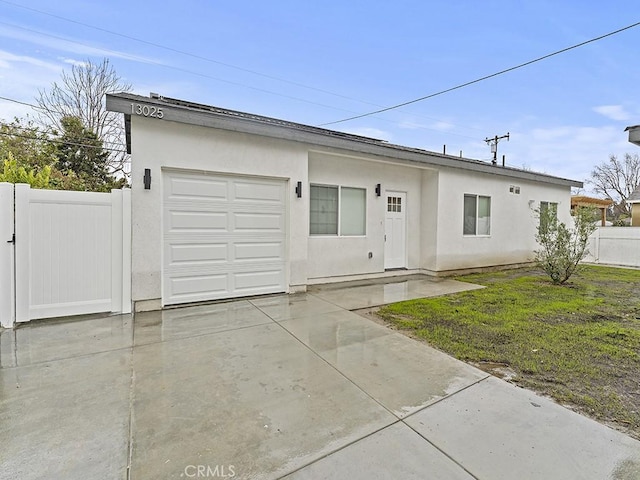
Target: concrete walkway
[294,387]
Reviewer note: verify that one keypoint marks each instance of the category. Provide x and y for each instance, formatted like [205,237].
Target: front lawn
[578,343]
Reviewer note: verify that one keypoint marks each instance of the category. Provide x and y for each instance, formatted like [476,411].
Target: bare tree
[81,94]
[617,179]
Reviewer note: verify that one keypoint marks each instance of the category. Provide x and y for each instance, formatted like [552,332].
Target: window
[515,189]
[327,212]
[477,215]
[352,211]
[324,210]
[394,204]
[548,211]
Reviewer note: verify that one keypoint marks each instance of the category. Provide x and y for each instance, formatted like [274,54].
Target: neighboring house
[634,201]
[229,204]
[634,198]
[634,134]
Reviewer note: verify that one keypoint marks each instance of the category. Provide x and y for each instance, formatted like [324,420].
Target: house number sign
[146,110]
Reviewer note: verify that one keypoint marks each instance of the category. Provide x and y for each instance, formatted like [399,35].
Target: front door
[395,229]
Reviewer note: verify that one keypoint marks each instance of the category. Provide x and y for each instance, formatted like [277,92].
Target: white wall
[513,221]
[158,144]
[429,220]
[349,255]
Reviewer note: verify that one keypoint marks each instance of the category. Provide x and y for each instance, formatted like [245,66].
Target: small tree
[81,93]
[82,159]
[562,248]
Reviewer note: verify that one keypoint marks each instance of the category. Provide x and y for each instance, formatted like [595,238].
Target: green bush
[562,248]
[12,173]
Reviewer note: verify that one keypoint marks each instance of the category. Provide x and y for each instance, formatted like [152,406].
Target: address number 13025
[146,110]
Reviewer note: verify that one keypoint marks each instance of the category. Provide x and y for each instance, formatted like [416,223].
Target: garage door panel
[257,282]
[199,285]
[258,222]
[181,220]
[258,192]
[198,253]
[193,187]
[258,251]
[224,237]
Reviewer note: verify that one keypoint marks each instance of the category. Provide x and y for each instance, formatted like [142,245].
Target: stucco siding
[429,220]
[349,255]
[159,145]
[513,219]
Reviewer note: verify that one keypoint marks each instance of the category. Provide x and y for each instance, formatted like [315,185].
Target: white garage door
[224,237]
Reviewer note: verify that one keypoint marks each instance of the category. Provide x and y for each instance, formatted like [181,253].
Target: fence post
[116,251]
[22,264]
[7,268]
[126,250]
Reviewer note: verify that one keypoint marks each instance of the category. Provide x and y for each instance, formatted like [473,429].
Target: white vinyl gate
[63,253]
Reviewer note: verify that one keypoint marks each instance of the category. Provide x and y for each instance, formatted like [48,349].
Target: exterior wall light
[147,179]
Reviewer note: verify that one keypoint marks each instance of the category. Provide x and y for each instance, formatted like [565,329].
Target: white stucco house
[228,204]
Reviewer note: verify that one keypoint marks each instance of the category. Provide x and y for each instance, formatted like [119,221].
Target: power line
[19,102]
[188,54]
[37,130]
[179,69]
[61,142]
[243,69]
[486,77]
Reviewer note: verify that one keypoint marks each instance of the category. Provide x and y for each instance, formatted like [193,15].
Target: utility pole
[493,143]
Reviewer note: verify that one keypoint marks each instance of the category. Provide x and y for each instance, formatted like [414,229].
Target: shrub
[562,248]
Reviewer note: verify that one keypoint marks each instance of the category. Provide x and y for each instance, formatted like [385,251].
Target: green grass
[578,343]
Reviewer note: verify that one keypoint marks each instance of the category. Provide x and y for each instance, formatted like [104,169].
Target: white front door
[395,230]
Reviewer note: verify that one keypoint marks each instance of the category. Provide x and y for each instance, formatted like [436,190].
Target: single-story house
[229,204]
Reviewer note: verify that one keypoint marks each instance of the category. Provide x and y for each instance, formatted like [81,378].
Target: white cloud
[75,63]
[68,45]
[7,59]
[21,77]
[614,112]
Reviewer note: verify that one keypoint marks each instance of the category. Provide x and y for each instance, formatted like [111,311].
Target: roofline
[214,117]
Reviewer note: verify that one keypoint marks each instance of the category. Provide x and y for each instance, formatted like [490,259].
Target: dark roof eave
[206,116]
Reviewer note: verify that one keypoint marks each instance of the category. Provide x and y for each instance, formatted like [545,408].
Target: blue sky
[318,62]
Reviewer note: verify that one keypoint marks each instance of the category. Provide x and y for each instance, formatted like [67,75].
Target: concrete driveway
[294,387]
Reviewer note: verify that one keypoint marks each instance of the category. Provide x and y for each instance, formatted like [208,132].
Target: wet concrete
[281,386]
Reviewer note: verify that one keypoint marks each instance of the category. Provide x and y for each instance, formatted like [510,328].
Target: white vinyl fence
[63,253]
[615,246]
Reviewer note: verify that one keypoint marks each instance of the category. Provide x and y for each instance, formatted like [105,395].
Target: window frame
[476,217]
[339,217]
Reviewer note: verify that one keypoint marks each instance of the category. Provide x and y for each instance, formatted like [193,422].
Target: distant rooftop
[635,196]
